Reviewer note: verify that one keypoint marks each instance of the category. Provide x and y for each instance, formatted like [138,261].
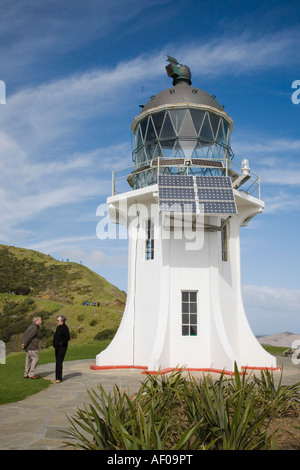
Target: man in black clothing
[60,343]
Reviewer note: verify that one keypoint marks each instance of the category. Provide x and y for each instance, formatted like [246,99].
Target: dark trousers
[59,356]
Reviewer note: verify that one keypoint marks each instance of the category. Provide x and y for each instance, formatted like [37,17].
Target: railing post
[113,183]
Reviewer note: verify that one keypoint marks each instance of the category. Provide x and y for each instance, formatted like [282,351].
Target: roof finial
[179,72]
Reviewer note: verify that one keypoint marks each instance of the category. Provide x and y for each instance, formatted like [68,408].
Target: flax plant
[116,421]
[177,412]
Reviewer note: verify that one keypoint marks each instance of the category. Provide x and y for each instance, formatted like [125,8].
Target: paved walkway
[36,422]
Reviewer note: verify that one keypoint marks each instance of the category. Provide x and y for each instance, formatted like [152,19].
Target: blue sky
[75,74]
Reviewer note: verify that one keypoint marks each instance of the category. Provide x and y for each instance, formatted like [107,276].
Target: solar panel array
[196,194]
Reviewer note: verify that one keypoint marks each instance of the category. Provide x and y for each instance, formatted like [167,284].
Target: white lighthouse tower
[187,203]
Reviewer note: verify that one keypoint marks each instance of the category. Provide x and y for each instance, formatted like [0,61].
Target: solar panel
[216,194]
[213,181]
[198,194]
[218,207]
[176,193]
[178,206]
[208,163]
[176,180]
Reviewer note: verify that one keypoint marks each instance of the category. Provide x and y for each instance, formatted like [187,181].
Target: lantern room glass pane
[197,117]
[144,127]
[187,147]
[150,131]
[214,123]
[220,136]
[139,141]
[177,116]
[226,132]
[158,121]
[151,151]
[140,157]
[206,131]
[167,129]
[187,128]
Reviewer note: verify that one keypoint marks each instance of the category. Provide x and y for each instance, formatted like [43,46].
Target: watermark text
[296,94]
[2,92]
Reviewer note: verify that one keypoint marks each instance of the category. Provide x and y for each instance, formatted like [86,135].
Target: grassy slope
[59,287]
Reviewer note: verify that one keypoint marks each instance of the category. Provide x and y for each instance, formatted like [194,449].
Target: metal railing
[123,179]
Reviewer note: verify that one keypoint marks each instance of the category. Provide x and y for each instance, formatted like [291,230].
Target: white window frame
[149,241]
[189,313]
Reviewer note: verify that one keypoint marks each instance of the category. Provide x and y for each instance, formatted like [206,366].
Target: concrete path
[36,422]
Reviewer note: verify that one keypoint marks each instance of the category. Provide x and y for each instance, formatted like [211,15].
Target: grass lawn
[275,349]
[14,388]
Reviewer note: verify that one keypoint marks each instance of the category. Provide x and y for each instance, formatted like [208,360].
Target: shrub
[105,334]
[178,412]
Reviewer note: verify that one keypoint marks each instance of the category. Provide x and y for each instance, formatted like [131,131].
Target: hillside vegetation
[32,283]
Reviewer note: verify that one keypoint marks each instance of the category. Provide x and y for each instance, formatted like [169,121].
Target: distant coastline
[284,339]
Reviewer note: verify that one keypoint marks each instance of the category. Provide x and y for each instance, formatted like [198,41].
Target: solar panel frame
[176,180]
[213,181]
[177,193]
[196,194]
[178,206]
[215,194]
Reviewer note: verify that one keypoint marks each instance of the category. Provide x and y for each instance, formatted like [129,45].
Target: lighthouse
[184,206]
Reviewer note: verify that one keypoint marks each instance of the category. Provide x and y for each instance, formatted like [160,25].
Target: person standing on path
[60,343]
[30,343]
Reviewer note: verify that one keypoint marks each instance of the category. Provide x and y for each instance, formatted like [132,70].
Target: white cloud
[263,145]
[38,123]
[29,188]
[281,201]
[94,259]
[247,52]
[271,298]
[272,309]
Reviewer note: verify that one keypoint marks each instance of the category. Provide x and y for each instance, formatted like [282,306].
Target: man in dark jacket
[30,342]
[60,343]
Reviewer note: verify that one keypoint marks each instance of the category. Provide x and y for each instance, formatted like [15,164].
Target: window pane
[193,308]
[185,330]
[193,319]
[185,307]
[193,331]
[184,296]
[193,296]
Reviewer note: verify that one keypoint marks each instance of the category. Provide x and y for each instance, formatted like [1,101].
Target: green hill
[32,283]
